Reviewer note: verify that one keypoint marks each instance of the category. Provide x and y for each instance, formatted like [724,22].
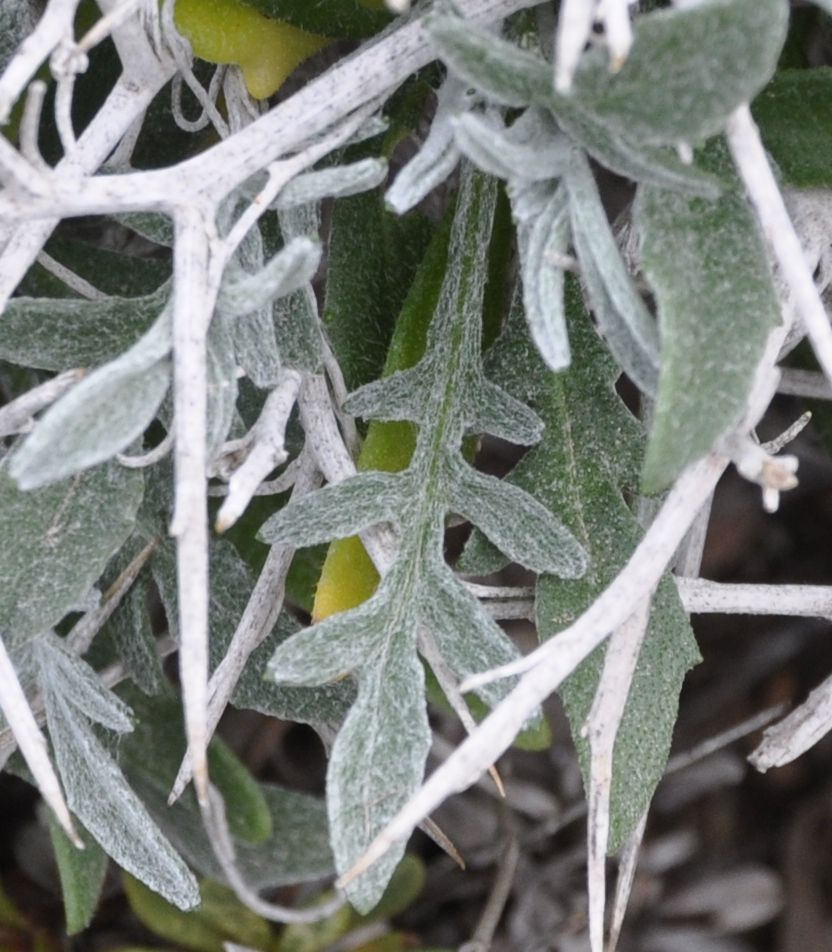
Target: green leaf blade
[706,264]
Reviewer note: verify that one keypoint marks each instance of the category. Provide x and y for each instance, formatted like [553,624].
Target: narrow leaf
[99,795]
[716,300]
[505,73]
[99,417]
[59,334]
[81,873]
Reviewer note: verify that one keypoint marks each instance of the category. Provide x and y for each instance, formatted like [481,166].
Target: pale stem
[601,730]
[795,734]
[86,628]
[72,280]
[624,883]
[54,26]
[754,169]
[509,857]
[615,15]
[804,383]
[700,596]
[267,452]
[30,125]
[32,745]
[216,825]
[150,458]
[17,416]
[193,304]
[255,625]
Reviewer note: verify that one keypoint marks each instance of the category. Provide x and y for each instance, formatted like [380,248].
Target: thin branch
[85,629]
[754,169]
[72,280]
[193,305]
[601,730]
[255,625]
[18,416]
[624,883]
[804,383]
[797,733]
[701,596]
[483,936]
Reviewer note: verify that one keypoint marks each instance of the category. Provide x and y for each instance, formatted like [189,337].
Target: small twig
[804,383]
[216,825]
[86,628]
[17,416]
[492,912]
[624,883]
[151,457]
[574,30]
[754,169]
[267,450]
[72,280]
[701,596]
[30,126]
[797,733]
[257,621]
[601,730]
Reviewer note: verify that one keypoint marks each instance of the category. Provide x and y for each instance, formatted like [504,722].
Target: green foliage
[334,283]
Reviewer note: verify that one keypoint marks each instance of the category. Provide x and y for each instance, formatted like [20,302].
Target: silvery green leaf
[397,397]
[222,382]
[686,71]
[496,412]
[491,147]
[515,522]
[58,541]
[588,458]
[297,848]
[622,345]
[101,415]
[631,159]
[437,158]
[505,73]
[597,240]
[469,640]
[538,244]
[257,691]
[337,511]
[132,635]
[377,761]
[288,270]
[708,269]
[337,182]
[81,873]
[332,648]
[255,343]
[297,324]
[98,794]
[154,226]
[64,333]
[73,678]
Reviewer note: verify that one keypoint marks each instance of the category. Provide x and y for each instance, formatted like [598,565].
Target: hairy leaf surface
[58,540]
[708,269]
[589,455]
